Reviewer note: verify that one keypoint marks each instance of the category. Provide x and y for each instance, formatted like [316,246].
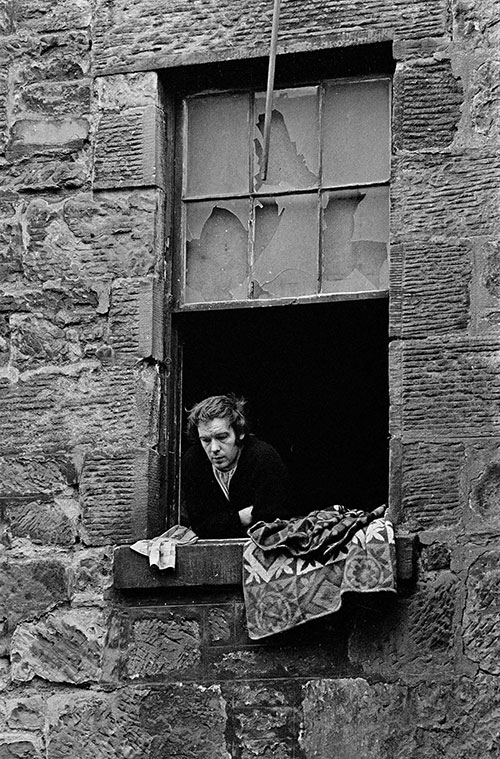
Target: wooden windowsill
[215,563]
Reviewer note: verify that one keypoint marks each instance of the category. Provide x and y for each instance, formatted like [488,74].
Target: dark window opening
[316,380]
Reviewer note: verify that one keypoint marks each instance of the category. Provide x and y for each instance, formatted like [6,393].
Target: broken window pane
[294,145]
[218,145]
[355,239]
[286,246]
[356,137]
[217,251]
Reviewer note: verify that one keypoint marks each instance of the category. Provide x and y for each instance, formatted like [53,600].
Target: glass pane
[355,240]
[217,251]
[294,145]
[217,145]
[356,137]
[286,246]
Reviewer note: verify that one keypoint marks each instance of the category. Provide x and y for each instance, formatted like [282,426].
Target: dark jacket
[260,480]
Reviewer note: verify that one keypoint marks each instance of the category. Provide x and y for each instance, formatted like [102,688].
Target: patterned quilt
[283,590]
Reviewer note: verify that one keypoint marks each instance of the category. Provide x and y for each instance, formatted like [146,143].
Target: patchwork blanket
[298,570]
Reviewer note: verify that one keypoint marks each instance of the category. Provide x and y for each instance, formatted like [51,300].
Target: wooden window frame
[370,61]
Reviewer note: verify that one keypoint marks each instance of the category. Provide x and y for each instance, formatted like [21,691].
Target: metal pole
[270,87]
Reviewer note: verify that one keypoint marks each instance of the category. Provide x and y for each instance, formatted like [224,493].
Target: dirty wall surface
[84,188]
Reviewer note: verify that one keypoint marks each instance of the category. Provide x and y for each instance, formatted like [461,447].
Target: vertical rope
[270,87]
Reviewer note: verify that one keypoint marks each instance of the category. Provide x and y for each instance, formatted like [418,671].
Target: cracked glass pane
[218,148]
[294,145]
[356,136]
[286,246]
[217,251]
[355,240]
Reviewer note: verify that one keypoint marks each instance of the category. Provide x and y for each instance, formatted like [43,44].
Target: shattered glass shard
[294,145]
[285,247]
[355,237]
[217,251]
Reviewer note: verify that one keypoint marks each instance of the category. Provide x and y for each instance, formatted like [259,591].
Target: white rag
[161,550]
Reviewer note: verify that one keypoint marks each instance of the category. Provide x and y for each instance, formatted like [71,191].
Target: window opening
[279,285]
[315,377]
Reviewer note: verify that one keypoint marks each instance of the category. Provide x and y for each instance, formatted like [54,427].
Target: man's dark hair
[228,407]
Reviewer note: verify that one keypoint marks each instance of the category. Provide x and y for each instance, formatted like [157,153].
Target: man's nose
[214,446]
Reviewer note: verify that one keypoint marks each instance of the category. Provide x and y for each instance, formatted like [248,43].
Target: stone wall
[83,196]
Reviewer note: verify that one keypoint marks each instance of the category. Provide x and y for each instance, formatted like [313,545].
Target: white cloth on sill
[161,550]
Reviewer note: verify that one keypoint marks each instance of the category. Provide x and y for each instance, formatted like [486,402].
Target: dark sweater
[260,480]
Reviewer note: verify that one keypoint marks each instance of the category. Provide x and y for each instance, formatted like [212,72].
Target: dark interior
[316,381]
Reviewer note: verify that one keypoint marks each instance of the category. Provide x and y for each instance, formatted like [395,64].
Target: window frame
[180,237]
[172,415]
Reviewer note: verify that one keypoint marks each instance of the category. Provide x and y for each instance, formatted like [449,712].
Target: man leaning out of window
[230,478]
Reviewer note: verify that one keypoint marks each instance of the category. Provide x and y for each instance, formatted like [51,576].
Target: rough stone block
[30,137]
[129,149]
[385,720]
[483,476]
[113,497]
[29,588]
[53,57]
[133,90]
[91,576]
[19,745]
[482,609]
[11,250]
[136,319]
[45,15]
[256,693]
[47,523]
[89,726]
[426,102]
[301,654]
[26,713]
[432,282]
[142,35]
[165,646]
[48,173]
[52,100]
[476,23]
[7,15]
[186,720]
[431,495]
[38,474]
[63,647]
[450,387]
[115,232]
[485,288]
[36,341]
[221,624]
[448,196]
[413,636]
[81,407]
[435,556]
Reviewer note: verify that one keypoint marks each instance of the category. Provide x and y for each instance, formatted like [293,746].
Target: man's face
[220,443]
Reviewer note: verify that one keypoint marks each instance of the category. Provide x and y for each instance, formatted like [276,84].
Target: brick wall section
[83,192]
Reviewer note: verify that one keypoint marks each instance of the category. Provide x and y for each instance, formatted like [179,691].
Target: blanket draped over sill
[298,570]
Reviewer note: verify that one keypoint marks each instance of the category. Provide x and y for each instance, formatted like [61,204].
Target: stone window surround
[218,560]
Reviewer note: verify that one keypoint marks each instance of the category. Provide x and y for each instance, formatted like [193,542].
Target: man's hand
[246,516]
